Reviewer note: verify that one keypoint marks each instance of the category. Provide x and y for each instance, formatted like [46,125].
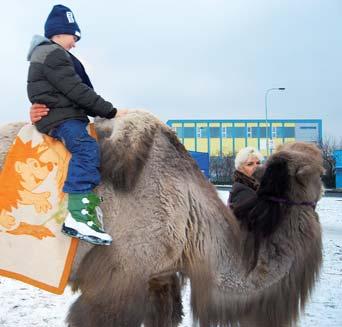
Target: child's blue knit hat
[61,20]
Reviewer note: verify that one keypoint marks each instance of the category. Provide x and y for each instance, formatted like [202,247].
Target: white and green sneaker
[84,220]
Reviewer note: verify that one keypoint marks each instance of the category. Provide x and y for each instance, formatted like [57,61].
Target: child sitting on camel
[58,80]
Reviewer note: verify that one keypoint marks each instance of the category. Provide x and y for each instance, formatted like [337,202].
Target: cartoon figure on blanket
[22,175]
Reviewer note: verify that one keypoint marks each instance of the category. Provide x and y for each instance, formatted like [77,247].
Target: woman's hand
[37,111]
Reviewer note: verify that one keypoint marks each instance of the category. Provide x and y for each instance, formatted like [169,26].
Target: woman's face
[248,168]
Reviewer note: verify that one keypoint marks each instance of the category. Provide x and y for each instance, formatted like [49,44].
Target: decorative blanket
[32,210]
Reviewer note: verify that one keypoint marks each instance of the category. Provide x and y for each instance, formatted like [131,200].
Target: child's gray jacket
[53,81]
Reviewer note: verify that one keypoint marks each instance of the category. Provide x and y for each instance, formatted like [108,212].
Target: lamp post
[266,113]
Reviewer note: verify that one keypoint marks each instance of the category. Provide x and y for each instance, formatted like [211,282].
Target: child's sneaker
[84,220]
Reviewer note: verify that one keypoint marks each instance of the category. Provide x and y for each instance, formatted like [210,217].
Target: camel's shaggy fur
[168,222]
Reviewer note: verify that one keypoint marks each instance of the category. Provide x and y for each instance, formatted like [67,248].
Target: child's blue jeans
[83,172]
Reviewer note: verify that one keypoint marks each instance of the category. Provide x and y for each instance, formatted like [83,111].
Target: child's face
[65,40]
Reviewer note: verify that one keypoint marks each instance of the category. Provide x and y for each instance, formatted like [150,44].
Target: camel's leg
[247,322]
[111,296]
[177,312]
[255,322]
[88,313]
[165,303]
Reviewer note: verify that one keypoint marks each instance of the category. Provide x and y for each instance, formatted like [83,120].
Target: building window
[240,132]
[252,132]
[280,132]
[274,132]
[189,132]
[289,132]
[202,132]
[308,127]
[262,131]
[227,132]
[215,132]
[178,131]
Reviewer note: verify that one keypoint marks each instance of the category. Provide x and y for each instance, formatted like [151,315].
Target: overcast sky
[193,59]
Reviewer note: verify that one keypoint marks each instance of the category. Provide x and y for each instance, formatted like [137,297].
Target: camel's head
[292,177]
[304,168]
[293,173]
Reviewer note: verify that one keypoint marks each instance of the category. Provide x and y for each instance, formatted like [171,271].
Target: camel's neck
[287,267]
[277,255]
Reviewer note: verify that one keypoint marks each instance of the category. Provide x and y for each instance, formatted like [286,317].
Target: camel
[168,224]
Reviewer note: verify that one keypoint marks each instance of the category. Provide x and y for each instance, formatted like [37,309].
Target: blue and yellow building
[227,137]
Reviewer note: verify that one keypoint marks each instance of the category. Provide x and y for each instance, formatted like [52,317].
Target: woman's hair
[244,154]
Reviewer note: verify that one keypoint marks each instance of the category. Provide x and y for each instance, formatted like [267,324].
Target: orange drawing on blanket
[38,231]
[22,173]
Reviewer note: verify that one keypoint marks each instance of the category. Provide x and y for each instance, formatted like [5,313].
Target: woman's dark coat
[243,191]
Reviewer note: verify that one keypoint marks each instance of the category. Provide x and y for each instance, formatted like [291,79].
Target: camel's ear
[275,179]
[303,172]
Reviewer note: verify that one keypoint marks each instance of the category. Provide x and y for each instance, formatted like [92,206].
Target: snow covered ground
[25,306]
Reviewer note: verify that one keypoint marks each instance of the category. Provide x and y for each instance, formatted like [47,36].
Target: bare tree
[328,146]
[221,169]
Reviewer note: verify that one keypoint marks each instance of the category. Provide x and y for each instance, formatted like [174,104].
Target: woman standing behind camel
[245,185]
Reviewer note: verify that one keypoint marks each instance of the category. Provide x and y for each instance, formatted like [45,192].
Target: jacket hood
[36,41]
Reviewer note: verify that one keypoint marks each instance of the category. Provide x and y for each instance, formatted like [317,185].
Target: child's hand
[37,111]
[122,112]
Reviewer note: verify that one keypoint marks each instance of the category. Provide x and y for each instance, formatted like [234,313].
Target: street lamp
[266,113]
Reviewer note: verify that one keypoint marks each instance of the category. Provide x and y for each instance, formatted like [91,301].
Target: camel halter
[311,204]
